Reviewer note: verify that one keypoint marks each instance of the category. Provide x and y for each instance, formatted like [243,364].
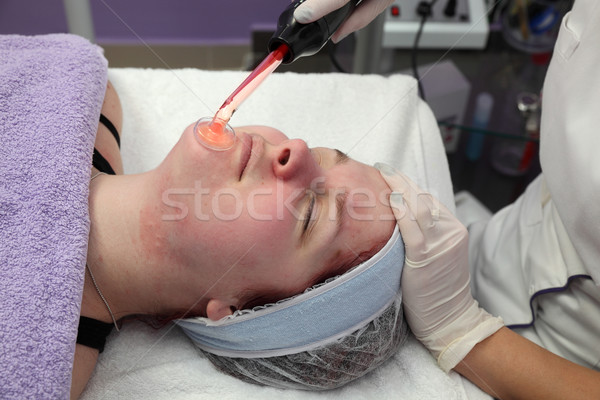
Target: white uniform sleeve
[570,130]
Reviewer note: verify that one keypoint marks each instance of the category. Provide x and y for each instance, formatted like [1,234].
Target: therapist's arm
[508,366]
[444,317]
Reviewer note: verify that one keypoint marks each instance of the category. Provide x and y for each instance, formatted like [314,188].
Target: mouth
[246,153]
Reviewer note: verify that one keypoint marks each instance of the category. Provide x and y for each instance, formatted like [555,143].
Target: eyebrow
[340,157]
[340,200]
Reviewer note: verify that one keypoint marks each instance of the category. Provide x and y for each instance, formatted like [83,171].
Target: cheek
[267,245]
[262,257]
[353,232]
[264,239]
[274,208]
[261,205]
[225,205]
[269,238]
[361,205]
[366,226]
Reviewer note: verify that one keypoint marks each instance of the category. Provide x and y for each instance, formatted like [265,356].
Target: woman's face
[271,215]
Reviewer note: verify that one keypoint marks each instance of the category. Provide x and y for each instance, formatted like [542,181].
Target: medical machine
[452,24]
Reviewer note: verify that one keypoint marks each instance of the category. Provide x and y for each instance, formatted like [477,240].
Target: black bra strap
[92,333]
[109,125]
[101,164]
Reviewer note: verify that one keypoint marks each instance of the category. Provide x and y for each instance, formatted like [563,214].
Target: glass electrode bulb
[214,133]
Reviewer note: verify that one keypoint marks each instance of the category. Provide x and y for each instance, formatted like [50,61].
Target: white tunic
[536,263]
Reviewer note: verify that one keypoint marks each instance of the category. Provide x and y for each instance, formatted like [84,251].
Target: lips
[246,153]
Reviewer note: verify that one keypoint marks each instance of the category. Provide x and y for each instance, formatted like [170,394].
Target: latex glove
[436,294]
[312,10]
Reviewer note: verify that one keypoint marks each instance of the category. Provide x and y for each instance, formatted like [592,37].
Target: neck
[113,230]
[126,250]
[136,256]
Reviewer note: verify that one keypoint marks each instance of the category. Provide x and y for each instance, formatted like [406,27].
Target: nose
[292,160]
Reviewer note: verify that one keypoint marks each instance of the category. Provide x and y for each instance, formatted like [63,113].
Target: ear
[217,309]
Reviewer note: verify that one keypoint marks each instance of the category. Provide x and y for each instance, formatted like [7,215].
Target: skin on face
[268,215]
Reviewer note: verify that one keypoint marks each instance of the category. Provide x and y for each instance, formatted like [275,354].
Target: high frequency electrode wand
[290,41]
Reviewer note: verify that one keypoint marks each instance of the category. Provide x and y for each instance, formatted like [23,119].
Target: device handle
[307,39]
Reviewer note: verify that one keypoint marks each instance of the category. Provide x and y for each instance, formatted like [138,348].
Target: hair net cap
[314,318]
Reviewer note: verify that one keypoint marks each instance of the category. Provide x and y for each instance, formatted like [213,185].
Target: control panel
[460,24]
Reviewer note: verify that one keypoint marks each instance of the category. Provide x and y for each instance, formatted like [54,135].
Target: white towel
[373,118]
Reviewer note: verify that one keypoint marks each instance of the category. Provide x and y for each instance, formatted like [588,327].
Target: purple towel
[51,93]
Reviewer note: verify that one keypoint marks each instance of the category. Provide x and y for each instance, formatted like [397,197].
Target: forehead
[350,173]
[367,217]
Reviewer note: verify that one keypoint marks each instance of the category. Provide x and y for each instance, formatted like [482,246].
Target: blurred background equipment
[461,24]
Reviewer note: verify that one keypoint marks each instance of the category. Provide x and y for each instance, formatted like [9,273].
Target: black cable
[496,10]
[334,59]
[414,58]
[450,9]
[424,10]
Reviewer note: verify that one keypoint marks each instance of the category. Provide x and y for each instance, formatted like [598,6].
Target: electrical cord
[424,10]
[450,9]
[334,60]
[496,10]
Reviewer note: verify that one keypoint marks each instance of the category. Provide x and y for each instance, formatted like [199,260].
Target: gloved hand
[312,10]
[437,298]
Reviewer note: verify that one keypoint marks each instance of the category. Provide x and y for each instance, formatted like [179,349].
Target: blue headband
[314,318]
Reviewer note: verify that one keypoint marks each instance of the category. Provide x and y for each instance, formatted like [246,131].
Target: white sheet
[372,118]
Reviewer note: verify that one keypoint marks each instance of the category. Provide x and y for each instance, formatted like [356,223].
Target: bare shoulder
[83,366]
[105,143]
[111,108]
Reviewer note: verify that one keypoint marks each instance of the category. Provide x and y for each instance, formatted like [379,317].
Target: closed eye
[309,211]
